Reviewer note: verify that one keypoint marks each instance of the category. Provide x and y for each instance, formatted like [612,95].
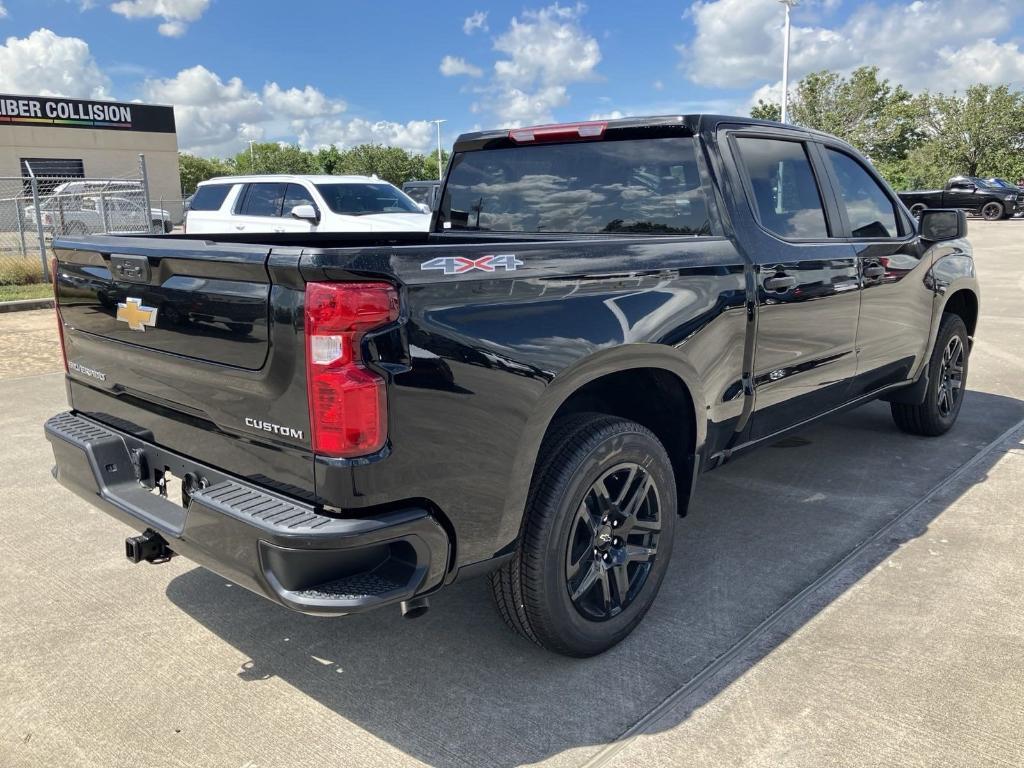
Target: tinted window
[868,208]
[649,186]
[209,197]
[363,199]
[263,200]
[785,193]
[296,195]
[420,194]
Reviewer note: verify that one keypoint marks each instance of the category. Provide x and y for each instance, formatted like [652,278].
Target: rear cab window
[210,197]
[628,186]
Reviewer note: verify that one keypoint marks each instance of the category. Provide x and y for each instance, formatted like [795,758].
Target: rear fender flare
[560,389]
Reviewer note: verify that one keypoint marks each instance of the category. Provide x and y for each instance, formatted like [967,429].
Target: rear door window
[210,197]
[786,195]
[643,186]
[869,209]
[263,200]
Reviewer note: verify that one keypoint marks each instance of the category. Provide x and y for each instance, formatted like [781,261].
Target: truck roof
[311,178]
[648,126]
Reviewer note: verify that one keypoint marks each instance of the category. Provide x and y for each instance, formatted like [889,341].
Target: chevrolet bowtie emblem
[136,315]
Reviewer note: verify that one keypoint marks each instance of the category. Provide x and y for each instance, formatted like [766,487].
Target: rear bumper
[269,543]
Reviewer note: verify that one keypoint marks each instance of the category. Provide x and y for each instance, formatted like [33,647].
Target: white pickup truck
[93,215]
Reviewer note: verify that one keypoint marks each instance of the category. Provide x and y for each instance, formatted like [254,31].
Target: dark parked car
[968,193]
[422,191]
[601,312]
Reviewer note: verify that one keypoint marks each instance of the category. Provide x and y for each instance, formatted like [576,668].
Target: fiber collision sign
[79,113]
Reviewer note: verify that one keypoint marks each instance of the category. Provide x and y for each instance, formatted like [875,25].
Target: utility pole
[440,171]
[785,58]
[252,156]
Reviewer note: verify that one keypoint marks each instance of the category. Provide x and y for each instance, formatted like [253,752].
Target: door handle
[780,283]
[874,271]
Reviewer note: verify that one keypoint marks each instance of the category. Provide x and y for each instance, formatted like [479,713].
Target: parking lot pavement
[898,658]
[28,344]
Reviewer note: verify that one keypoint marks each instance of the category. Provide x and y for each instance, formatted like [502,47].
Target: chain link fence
[36,209]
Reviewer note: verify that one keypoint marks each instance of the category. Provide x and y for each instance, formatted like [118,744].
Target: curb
[25,304]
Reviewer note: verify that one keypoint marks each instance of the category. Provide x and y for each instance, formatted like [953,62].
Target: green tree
[272,157]
[980,133]
[766,110]
[193,169]
[881,120]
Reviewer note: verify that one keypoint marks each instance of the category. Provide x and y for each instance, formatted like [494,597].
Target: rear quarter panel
[483,360]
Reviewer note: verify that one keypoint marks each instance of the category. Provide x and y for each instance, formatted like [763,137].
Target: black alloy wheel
[947,381]
[992,211]
[613,542]
[596,538]
[950,382]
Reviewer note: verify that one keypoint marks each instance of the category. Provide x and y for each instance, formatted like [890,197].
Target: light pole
[785,58]
[440,173]
[252,156]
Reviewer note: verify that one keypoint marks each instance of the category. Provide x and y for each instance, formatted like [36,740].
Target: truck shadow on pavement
[455,687]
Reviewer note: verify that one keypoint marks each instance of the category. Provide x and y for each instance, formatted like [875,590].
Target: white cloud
[216,116]
[48,64]
[452,66]
[615,114]
[177,14]
[658,85]
[936,44]
[477,22]
[172,28]
[3,11]
[415,135]
[543,52]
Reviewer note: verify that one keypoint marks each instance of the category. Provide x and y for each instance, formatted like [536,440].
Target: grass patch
[22,278]
[20,270]
[34,291]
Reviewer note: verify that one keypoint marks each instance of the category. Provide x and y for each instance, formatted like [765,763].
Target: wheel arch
[963,302]
[604,382]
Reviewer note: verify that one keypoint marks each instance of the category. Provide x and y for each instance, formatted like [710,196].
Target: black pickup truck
[969,193]
[602,312]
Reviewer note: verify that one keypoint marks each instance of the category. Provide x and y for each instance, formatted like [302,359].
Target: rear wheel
[947,379]
[992,211]
[597,537]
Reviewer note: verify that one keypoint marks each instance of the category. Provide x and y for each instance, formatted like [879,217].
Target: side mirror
[938,224]
[424,207]
[307,212]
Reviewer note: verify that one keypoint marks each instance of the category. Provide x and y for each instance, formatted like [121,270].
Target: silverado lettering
[682,290]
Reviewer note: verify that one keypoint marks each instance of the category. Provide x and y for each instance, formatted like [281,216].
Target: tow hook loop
[413,609]
[149,546]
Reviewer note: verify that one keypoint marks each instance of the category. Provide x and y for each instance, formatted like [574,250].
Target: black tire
[992,211]
[587,465]
[168,227]
[947,381]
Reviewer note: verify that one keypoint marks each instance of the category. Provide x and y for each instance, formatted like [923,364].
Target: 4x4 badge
[456,265]
[136,315]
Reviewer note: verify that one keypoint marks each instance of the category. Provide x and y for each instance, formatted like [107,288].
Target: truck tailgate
[175,340]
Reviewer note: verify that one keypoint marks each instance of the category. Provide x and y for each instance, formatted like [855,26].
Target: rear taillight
[561,132]
[347,404]
[54,272]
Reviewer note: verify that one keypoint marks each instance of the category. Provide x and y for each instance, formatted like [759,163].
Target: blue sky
[321,72]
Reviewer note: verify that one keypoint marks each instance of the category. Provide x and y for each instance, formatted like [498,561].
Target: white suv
[284,203]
